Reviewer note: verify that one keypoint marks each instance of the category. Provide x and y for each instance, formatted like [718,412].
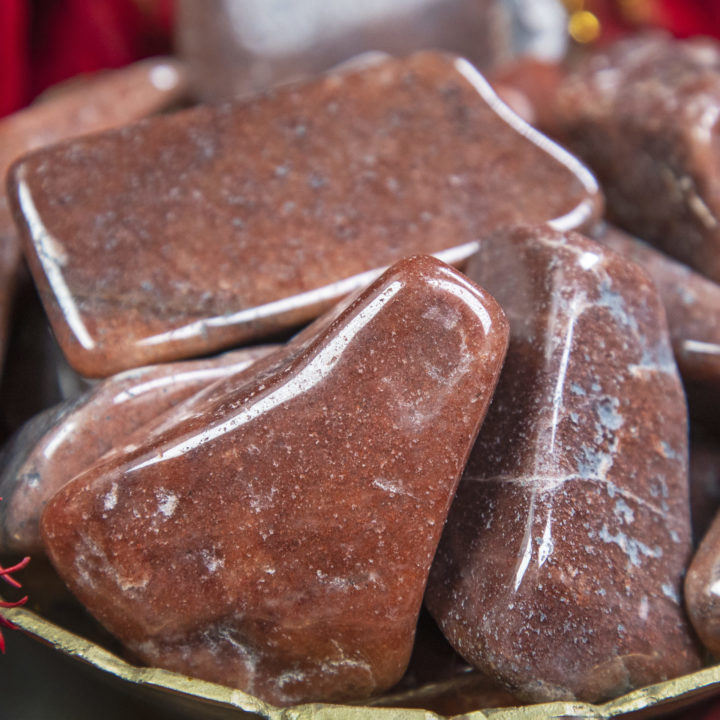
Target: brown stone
[185,234]
[280,542]
[560,569]
[644,115]
[702,589]
[692,305]
[55,447]
[239,49]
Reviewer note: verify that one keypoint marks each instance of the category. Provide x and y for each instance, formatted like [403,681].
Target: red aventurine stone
[692,305]
[183,234]
[702,589]
[280,542]
[559,572]
[58,445]
[644,115]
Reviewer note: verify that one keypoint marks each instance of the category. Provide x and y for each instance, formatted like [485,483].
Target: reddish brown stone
[280,541]
[239,49]
[644,115]
[65,441]
[702,589]
[559,572]
[185,234]
[692,304]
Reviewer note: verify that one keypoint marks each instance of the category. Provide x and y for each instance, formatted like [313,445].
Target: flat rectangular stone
[184,234]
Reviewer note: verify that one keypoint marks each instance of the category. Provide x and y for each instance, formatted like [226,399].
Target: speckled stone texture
[702,589]
[61,443]
[692,305]
[559,572]
[644,115]
[184,234]
[280,543]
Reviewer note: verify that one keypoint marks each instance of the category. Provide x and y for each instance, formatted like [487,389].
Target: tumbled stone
[280,542]
[692,305]
[644,115]
[702,589]
[65,441]
[186,233]
[559,572]
[239,49]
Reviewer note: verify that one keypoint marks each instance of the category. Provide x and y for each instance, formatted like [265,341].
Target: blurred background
[239,46]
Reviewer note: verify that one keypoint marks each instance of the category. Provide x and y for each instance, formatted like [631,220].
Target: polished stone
[560,569]
[280,541]
[692,305]
[204,229]
[62,442]
[644,115]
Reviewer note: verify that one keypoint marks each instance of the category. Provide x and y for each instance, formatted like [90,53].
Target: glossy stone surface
[61,443]
[702,589]
[239,49]
[280,540]
[220,224]
[644,115]
[560,569]
[692,305]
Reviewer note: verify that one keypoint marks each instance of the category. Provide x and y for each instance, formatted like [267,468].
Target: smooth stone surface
[64,441]
[644,115]
[560,569]
[280,541]
[692,305]
[239,49]
[702,589]
[221,224]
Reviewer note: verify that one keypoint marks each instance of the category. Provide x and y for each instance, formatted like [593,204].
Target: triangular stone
[281,543]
